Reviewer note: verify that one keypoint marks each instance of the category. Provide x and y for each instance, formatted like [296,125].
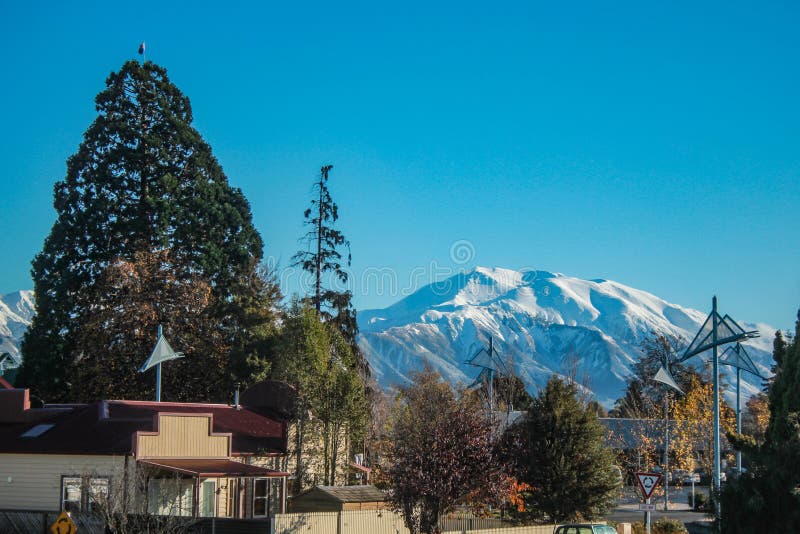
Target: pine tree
[560,452]
[766,498]
[142,181]
[325,262]
[784,394]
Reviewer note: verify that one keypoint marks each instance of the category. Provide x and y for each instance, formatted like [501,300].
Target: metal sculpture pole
[665,377]
[709,338]
[738,417]
[737,356]
[666,452]
[715,366]
[161,353]
[489,369]
[158,370]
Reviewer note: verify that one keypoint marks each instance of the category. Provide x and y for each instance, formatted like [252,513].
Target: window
[98,493]
[260,497]
[208,498]
[83,493]
[170,496]
[71,494]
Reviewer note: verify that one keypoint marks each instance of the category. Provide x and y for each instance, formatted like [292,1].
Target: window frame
[86,499]
[63,495]
[264,498]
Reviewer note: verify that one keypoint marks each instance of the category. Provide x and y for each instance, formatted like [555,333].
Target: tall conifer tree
[767,497]
[559,450]
[143,181]
[325,261]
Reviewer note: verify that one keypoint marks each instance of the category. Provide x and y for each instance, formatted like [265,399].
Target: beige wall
[182,436]
[313,457]
[35,479]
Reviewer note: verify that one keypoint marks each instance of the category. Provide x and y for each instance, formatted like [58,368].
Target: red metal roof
[213,468]
[107,427]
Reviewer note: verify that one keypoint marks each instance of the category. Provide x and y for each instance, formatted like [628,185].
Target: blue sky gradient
[655,144]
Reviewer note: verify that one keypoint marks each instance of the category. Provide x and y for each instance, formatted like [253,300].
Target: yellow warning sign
[64,525]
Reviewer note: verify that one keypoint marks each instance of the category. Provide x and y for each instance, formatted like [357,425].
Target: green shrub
[668,526]
[662,526]
[700,501]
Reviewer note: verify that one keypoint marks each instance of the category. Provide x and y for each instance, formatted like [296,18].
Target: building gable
[181,435]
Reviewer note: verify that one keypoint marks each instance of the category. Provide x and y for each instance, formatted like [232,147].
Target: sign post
[648,483]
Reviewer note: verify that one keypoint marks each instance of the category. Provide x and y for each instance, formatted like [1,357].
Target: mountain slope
[541,322]
[16,312]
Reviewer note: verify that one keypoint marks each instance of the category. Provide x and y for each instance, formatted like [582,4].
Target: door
[208,499]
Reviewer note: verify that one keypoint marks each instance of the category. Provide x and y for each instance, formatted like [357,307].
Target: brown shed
[339,498]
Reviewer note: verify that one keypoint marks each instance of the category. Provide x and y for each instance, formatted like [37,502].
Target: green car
[585,528]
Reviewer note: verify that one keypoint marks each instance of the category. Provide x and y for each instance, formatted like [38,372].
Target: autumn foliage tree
[441,453]
[692,441]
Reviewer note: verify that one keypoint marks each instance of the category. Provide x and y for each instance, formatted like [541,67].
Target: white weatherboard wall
[33,481]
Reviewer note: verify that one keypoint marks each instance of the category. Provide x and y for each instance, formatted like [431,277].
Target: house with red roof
[194,459]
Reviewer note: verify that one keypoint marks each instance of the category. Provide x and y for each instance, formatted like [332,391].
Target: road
[627,506]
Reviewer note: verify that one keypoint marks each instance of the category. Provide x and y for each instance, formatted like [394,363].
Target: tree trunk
[298,448]
[318,273]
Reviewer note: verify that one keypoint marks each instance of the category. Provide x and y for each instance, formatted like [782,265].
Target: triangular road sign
[648,482]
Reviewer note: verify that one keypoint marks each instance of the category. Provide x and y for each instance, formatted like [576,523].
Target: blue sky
[656,144]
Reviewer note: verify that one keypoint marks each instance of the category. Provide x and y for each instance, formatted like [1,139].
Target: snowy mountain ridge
[541,322]
[16,312]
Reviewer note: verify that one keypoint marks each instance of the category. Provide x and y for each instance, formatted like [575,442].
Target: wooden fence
[355,522]
[388,522]
[17,522]
[23,522]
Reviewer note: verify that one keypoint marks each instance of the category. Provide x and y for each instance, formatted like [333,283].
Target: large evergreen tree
[559,450]
[143,181]
[767,497]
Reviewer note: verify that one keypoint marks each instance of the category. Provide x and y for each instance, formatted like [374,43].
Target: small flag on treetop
[141,48]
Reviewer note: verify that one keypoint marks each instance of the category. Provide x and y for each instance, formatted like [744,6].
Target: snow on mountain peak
[16,312]
[541,322]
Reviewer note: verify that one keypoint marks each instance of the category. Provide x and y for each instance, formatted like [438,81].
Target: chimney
[14,403]
[236,396]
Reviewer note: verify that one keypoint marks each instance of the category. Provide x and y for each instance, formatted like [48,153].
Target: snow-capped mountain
[16,312]
[541,323]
